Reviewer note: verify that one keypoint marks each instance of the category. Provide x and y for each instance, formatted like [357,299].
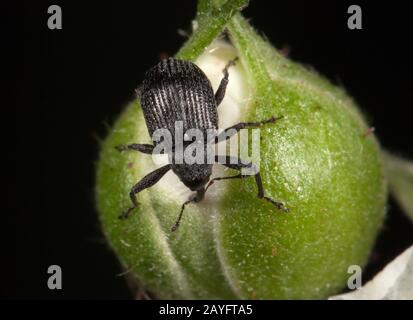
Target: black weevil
[176,90]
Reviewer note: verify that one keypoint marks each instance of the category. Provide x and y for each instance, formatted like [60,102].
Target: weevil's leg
[148,181]
[231,131]
[220,94]
[212,181]
[198,197]
[138,92]
[236,163]
[144,148]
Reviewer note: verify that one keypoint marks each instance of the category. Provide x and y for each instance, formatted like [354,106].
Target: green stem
[211,22]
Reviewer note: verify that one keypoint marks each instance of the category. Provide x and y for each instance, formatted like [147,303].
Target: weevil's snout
[197,184]
[194,176]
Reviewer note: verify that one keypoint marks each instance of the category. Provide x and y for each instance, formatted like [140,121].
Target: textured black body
[177,90]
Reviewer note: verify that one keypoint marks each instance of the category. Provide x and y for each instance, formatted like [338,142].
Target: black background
[64,85]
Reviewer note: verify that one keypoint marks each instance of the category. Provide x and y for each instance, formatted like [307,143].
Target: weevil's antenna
[178,220]
[198,197]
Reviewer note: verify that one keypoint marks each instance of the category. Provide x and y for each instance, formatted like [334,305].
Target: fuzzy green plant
[318,160]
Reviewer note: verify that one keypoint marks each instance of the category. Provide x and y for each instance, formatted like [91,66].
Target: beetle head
[194,176]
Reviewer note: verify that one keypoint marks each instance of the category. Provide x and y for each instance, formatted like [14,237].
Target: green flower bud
[232,245]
